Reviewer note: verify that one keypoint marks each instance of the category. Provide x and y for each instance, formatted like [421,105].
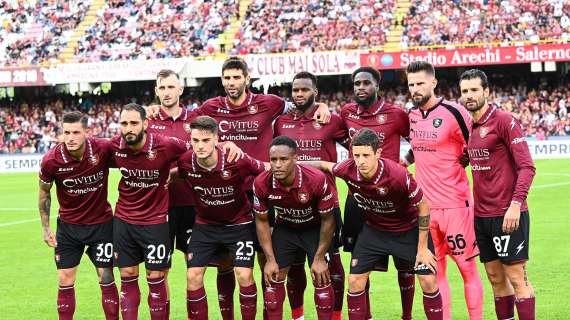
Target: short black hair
[205,123]
[165,73]
[74,117]
[474,74]
[418,66]
[375,73]
[134,107]
[284,141]
[235,63]
[306,75]
[366,137]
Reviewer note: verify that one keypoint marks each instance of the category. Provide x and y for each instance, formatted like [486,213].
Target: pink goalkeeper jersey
[438,138]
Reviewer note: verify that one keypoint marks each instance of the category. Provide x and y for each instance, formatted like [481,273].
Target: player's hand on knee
[427,258]
[512,218]
[152,111]
[270,272]
[49,238]
[320,272]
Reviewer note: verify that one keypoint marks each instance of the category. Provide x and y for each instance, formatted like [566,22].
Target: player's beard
[422,101]
[303,107]
[173,104]
[366,102]
[134,141]
[479,104]
[239,92]
[80,147]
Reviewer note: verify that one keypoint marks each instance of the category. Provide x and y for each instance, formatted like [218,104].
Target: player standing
[396,223]
[390,123]
[502,174]
[304,222]
[224,216]
[246,119]
[315,142]
[79,168]
[141,231]
[439,133]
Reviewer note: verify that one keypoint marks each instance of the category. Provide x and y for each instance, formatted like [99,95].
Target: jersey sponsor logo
[252,109]
[274,197]
[288,126]
[214,191]
[437,122]
[303,197]
[423,134]
[157,127]
[483,132]
[477,167]
[518,140]
[309,143]
[382,190]
[226,174]
[381,118]
[292,212]
[186,127]
[374,205]
[90,179]
[240,126]
[144,174]
[64,169]
[306,157]
[478,153]
[121,155]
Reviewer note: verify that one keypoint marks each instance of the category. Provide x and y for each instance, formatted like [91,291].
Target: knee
[244,276]
[106,275]
[129,272]
[66,277]
[497,279]
[357,282]
[428,283]
[153,274]
[195,278]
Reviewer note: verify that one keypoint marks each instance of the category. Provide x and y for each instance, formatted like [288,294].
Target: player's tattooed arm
[44,205]
[424,257]
[321,165]
[319,268]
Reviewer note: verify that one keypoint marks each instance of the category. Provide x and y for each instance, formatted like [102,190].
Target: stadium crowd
[439,22]
[35,32]
[30,127]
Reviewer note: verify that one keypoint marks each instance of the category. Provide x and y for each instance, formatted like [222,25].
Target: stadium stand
[308,25]
[153,29]
[28,127]
[440,22]
[35,32]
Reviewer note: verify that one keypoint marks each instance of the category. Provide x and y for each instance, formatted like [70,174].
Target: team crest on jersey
[382,190]
[303,197]
[317,125]
[94,160]
[252,109]
[186,127]
[226,174]
[437,122]
[483,132]
[381,118]
[190,256]
[151,155]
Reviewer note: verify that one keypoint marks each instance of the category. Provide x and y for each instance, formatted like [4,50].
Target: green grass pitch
[29,282]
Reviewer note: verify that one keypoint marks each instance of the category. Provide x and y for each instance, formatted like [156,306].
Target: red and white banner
[288,64]
[468,56]
[21,77]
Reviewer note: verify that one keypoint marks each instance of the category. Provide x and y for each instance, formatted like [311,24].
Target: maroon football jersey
[220,198]
[389,121]
[299,206]
[315,142]
[143,193]
[165,125]
[81,184]
[388,199]
[500,162]
[248,125]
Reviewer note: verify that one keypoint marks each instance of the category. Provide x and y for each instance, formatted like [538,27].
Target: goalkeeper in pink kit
[439,132]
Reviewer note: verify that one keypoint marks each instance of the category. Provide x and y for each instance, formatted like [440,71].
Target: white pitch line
[18,209]
[541,186]
[7,224]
